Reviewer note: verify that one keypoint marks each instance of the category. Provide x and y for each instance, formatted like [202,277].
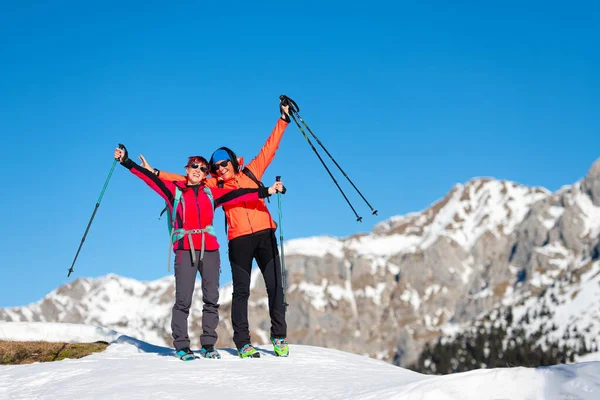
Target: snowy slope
[132,369]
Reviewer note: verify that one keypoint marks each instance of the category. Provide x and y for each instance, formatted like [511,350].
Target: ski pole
[287,101]
[296,113]
[335,162]
[94,213]
[283,280]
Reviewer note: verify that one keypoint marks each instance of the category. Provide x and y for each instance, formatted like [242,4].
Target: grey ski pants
[185,279]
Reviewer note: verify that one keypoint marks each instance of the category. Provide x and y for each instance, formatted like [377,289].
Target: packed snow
[133,369]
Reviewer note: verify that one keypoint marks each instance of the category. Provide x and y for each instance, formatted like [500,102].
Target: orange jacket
[253,216]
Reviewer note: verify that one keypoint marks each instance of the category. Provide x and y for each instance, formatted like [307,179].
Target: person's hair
[197,160]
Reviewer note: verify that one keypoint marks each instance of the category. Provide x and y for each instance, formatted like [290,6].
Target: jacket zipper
[198,207]
[245,208]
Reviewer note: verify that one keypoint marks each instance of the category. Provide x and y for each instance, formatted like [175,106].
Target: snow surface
[317,246]
[132,369]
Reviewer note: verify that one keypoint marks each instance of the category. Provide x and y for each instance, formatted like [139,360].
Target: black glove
[125,154]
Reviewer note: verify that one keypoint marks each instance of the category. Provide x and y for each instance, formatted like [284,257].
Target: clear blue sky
[410,99]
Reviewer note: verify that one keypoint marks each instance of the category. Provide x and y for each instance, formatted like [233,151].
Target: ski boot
[209,352]
[186,354]
[247,351]
[281,347]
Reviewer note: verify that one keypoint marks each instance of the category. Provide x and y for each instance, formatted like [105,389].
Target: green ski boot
[247,351]
[281,347]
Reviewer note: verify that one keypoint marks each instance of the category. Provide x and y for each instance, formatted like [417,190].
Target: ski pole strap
[181,233]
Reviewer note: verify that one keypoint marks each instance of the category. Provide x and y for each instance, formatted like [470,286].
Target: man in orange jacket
[251,235]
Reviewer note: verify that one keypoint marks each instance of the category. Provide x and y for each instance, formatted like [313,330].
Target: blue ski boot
[186,354]
[209,352]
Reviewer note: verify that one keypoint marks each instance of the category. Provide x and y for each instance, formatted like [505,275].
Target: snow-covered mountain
[486,244]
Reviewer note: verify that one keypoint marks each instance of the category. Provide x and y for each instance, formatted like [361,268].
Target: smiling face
[196,169]
[223,169]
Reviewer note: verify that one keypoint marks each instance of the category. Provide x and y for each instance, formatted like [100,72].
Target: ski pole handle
[286,101]
[122,147]
[125,154]
[278,179]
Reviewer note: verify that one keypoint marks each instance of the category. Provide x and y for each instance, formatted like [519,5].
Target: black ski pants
[261,246]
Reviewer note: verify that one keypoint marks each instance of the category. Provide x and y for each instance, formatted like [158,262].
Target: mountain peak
[468,210]
[594,171]
[591,183]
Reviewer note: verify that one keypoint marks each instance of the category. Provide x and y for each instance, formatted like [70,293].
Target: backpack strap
[176,200]
[251,175]
[179,234]
[171,221]
[210,196]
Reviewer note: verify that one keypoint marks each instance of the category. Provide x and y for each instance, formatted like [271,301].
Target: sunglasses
[220,164]
[195,166]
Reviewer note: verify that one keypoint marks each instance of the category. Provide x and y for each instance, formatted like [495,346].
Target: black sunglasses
[202,167]
[220,164]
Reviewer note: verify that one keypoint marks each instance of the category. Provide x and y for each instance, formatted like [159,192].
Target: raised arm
[166,176]
[260,163]
[164,188]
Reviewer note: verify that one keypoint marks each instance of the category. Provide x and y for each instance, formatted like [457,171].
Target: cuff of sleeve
[128,163]
[263,192]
